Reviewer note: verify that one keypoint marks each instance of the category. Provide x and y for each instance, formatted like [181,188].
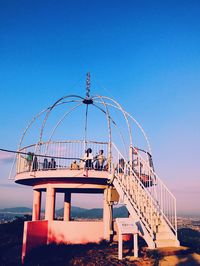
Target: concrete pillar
[67,206]
[50,203]
[107,215]
[36,205]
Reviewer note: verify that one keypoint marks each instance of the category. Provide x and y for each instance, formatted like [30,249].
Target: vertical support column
[67,206]
[111,223]
[106,215]
[36,205]
[50,203]
[120,246]
[135,245]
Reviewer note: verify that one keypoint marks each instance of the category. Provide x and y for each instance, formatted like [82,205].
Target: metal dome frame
[94,100]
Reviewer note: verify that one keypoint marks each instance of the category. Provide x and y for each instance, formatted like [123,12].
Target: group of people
[32,162]
[49,164]
[89,162]
[97,162]
[137,166]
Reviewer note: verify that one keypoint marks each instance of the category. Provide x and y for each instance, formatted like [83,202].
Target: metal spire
[88,85]
[88,99]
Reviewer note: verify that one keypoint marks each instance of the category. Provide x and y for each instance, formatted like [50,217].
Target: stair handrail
[157,204]
[158,180]
[146,222]
[142,186]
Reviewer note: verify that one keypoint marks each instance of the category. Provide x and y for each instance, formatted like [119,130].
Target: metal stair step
[166,243]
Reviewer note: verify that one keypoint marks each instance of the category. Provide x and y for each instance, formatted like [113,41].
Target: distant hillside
[96,213]
[120,212]
[17,210]
[76,212]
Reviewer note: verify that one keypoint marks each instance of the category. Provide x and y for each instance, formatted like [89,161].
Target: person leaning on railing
[29,160]
[35,163]
[120,166]
[52,164]
[45,164]
[99,161]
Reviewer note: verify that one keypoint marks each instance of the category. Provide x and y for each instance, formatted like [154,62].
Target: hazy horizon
[179,214]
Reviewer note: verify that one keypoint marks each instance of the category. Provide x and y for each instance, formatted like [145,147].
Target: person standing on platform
[29,160]
[88,159]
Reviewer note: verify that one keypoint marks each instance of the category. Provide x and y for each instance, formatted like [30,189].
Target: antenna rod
[88,85]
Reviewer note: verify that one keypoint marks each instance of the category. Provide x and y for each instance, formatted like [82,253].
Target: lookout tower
[92,144]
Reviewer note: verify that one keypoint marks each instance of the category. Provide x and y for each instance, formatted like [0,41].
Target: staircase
[147,199]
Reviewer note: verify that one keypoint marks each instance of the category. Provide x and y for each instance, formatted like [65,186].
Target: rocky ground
[105,254]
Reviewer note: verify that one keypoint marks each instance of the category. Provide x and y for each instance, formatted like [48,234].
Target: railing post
[161,200]
[175,218]
[58,166]
[131,157]
[18,163]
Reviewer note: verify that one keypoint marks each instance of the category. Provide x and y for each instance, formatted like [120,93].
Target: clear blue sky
[145,54]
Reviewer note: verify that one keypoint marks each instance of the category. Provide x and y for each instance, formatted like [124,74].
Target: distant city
[189,222]
[10,214]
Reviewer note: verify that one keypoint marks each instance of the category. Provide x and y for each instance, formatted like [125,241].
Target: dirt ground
[107,255]
[179,256]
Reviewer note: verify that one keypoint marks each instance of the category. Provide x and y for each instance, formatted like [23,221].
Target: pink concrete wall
[38,233]
[75,232]
[35,234]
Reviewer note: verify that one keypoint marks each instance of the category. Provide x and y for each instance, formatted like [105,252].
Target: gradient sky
[145,54]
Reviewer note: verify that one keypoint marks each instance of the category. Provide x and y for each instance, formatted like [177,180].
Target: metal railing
[57,155]
[146,190]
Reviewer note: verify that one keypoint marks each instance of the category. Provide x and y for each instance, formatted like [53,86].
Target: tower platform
[54,166]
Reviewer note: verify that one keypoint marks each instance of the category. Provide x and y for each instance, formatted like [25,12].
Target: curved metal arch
[51,108]
[109,127]
[58,123]
[64,97]
[29,125]
[142,130]
[23,135]
[125,116]
[114,123]
[33,120]
[137,123]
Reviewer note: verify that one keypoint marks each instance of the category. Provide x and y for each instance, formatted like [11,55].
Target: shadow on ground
[89,254]
[96,254]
